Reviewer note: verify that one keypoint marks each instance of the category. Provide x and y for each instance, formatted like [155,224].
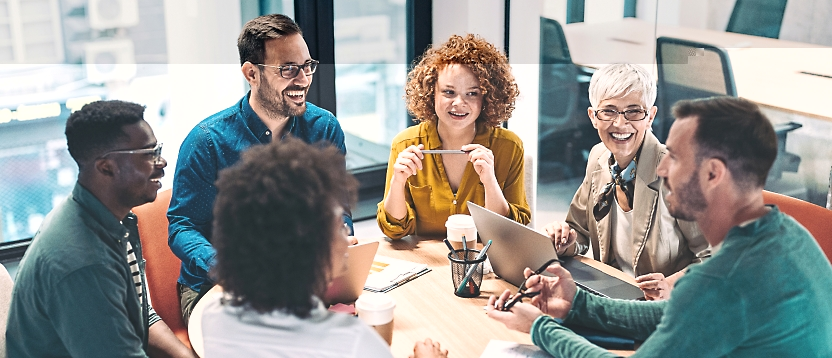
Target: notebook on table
[515,247]
[348,286]
[388,273]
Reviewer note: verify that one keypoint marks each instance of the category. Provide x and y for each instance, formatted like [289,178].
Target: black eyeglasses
[291,71]
[631,115]
[155,152]
[521,292]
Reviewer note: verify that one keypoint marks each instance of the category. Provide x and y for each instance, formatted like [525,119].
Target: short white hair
[620,79]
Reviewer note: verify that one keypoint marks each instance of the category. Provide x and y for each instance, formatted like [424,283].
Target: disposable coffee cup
[460,225]
[376,310]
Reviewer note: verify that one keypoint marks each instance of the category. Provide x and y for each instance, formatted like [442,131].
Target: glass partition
[784,72]
[370,73]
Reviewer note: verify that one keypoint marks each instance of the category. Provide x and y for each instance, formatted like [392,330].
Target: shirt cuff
[540,321]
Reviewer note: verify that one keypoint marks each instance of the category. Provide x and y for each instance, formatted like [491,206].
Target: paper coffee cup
[376,310]
[460,225]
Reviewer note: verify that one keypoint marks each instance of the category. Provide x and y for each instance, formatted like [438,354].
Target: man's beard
[275,104]
[689,198]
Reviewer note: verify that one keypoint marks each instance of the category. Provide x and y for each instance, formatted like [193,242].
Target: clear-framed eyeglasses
[631,115]
[155,153]
[291,71]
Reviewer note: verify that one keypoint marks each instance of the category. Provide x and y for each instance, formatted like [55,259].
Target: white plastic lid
[460,221]
[375,308]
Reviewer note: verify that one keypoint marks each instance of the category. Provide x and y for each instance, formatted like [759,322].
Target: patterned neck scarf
[623,178]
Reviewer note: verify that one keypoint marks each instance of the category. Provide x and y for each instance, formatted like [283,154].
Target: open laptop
[348,286]
[515,246]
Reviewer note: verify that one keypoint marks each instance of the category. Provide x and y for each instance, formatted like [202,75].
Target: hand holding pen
[521,292]
[554,298]
[408,163]
[483,160]
[555,293]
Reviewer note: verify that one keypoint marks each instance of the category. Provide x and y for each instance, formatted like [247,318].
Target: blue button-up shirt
[215,144]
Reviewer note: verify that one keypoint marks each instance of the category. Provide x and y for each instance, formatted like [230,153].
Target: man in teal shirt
[763,293]
[80,290]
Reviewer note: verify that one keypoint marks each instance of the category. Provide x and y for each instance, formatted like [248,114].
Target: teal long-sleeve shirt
[763,294]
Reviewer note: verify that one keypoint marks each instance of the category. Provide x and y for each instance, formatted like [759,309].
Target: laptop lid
[348,286]
[515,246]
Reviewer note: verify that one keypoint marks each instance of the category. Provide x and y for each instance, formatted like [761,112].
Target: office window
[370,73]
[56,56]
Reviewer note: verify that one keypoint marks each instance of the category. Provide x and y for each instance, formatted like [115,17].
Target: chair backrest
[814,218]
[528,183]
[562,125]
[5,301]
[689,70]
[829,192]
[553,46]
[558,80]
[757,17]
[163,266]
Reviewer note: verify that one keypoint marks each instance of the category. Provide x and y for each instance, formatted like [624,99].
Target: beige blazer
[653,251]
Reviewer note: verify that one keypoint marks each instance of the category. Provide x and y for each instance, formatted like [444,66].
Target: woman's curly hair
[487,62]
[274,224]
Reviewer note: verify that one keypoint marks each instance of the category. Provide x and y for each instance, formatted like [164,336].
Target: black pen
[450,247]
[521,292]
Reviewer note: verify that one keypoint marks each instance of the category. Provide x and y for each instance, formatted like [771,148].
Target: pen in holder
[461,262]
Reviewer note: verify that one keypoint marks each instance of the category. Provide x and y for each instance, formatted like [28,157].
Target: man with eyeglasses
[276,63]
[620,207]
[81,288]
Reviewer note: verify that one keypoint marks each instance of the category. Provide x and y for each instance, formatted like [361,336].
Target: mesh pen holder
[460,267]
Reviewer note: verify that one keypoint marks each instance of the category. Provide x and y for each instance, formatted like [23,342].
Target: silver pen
[444,151]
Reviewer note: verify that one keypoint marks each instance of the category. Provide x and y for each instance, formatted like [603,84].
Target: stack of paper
[504,349]
[388,273]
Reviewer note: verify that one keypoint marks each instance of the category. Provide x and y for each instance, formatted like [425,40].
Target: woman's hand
[483,160]
[428,349]
[408,163]
[561,234]
[656,286]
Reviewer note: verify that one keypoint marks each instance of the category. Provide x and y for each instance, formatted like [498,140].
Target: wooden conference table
[783,75]
[427,308]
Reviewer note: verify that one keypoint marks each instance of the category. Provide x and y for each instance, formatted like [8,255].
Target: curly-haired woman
[460,93]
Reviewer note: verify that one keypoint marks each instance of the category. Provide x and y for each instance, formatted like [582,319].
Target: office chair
[689,70]
[829,192]
[5,301]
[565,133]
[163,266]
[757,17]
[816,219]
[528,183]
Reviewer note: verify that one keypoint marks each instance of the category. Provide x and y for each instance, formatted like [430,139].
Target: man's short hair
[620,79]
[96,127]
[735,131]
[274,224]
[252,41]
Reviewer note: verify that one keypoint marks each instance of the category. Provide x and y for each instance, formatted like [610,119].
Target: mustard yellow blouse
[428,193]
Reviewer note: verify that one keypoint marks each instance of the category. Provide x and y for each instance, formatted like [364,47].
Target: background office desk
[766,71]
[427,308]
